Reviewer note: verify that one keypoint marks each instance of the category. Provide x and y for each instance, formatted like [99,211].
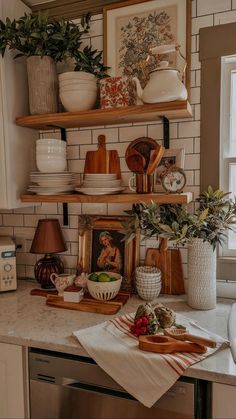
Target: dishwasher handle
[76,385]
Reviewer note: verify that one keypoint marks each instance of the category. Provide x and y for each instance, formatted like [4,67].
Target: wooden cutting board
[167,345]
[102,160]
[170,263]
[88,304]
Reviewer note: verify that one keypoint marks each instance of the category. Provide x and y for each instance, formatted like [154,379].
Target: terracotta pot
[201,275]
[43,85]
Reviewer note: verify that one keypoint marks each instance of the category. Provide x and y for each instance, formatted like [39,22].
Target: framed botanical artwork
[101,247]
[133,27]
[172,157]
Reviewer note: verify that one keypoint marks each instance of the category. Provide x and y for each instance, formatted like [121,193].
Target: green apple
[103,277]
[93,277]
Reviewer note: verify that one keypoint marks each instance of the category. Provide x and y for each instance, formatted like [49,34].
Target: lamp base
[45,267]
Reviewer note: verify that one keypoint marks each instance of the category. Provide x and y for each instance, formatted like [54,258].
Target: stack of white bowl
[148,282]
[51,155]
[78,90]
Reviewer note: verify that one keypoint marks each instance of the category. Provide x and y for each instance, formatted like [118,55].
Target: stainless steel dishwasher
[72,387]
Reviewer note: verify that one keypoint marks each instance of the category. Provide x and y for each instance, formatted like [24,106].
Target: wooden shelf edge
[114,116]
[184,198]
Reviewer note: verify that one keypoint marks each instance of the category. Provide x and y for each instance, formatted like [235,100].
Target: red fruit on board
[145,321]
[138,322]
[143,330]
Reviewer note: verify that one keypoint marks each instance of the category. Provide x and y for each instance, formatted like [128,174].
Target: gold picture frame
[128,25]
[90,246]
[171,157]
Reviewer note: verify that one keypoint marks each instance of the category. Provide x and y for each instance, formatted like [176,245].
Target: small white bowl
[51,142]
[82,101]
[75,75]
[105,290]
[78,89]
[51,166]
[77,82]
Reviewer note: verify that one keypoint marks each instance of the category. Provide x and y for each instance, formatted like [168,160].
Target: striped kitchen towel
[145,375]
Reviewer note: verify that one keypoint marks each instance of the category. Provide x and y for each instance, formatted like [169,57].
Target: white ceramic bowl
[78,82]
[51,142]
[148,293]
[105,290]
[82,101]
[77,89]
[51,151]
[75,75]
[50,157]
[49,166]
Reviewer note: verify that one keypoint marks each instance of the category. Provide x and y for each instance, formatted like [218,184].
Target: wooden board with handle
[88,303]
[170,263]
[102,160]
[167,345]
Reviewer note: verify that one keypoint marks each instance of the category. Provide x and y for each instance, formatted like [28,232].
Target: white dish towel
[145,375]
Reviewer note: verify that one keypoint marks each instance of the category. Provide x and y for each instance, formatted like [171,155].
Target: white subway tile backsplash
[189,129]
[223,18]
[195,63]
[32,220]
[47,208]
[79,137]
[197,112]
[118,209]
[201,22]
[196,145]
[6,231]
[212,6]
[13,220]
[94,209]
[131,133]
[110,133]
[73,152]
[195,95]
[97,43]
[76,166]
[186,143]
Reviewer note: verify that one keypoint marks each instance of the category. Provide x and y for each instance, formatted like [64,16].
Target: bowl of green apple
[104,285]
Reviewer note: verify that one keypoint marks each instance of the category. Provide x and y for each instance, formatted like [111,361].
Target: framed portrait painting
[102,248]
[133,27]
[172,157]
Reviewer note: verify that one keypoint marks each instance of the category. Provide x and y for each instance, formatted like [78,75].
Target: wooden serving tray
[88,303]
[168,345]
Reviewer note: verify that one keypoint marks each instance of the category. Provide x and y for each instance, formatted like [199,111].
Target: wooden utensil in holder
[102,160]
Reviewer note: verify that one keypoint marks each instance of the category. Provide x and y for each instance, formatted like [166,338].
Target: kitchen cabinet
[13,379]
[223,401]
[17,144]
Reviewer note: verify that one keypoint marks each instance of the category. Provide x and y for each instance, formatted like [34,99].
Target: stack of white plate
[100,184]
[51,183]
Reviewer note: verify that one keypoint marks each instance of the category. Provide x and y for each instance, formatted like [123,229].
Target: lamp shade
[48,237]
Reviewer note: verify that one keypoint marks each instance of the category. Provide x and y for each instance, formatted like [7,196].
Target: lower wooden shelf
[183,198]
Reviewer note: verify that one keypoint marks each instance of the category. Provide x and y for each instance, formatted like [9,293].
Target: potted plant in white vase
[79,88]
[43,42]
[201,231]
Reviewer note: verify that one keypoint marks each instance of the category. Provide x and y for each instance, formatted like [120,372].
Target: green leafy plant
[90,61]
[215,215]
[38,35]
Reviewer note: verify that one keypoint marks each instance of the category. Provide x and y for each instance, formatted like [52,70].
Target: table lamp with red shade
[48,239]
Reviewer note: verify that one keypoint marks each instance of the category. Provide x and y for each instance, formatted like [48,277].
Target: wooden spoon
[135,161]
[155,158]
[178,334]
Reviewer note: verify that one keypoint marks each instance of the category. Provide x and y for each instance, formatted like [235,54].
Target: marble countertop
[26,320]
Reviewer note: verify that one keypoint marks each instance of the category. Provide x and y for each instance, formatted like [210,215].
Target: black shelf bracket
[166,132]
[65,204]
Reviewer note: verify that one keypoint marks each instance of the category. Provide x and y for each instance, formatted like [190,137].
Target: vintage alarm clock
[174,180]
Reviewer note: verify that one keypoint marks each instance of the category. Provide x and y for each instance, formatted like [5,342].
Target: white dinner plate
[99,191]
[104,176]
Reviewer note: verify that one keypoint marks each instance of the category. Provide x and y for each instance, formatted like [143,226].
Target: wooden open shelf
[115,116]
[183,198]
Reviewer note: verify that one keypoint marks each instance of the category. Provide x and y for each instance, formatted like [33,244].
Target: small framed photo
[131,28]
[172,157]
[101,247]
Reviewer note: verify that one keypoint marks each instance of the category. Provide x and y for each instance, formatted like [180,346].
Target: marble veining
[26,320]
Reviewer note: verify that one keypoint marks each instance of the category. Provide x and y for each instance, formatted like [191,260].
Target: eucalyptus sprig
[90,61]
[216,214]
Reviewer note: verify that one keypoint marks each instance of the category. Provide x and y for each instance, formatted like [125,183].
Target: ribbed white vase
[201,275]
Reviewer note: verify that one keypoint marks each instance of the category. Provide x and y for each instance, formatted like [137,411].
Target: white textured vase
[201,275]
[43,85]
